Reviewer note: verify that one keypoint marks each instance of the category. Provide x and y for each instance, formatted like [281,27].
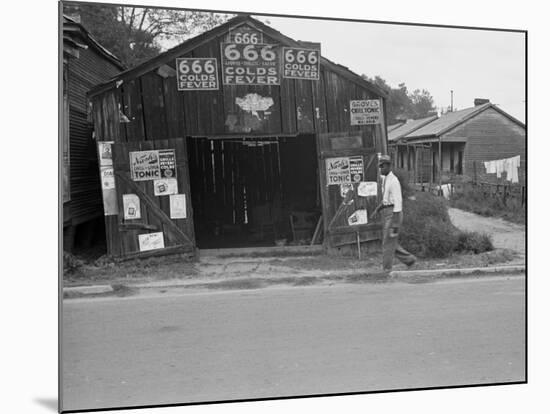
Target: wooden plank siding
[491,136]
[157,110]
[229,175]
[84,72]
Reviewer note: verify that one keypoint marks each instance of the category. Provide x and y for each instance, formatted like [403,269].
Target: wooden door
[159,210]
[338,210]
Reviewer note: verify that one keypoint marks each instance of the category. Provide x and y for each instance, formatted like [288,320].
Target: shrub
[427,230]
[474,242]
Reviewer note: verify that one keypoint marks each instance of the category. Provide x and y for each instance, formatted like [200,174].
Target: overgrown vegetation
[427,229]
[475,201]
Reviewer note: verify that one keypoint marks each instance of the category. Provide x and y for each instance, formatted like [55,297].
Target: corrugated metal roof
[446,122]
[393,126]
[408,127]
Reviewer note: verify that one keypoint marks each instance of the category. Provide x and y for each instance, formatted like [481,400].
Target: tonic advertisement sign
[144,165]
[197,74]
[301,63]
[153,165]
[338,171]
[250,64]
[366,112]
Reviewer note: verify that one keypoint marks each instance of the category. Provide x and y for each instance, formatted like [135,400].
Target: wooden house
[455,145]
[262,137]
[85,64]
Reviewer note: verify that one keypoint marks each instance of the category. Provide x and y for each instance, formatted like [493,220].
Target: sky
[472,63]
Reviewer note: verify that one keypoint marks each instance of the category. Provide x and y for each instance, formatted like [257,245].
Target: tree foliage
[136,34]
[402,104]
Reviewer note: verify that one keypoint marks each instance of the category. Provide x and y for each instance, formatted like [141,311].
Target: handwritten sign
[338,171]
[197,74]
[301,63]
[365,112]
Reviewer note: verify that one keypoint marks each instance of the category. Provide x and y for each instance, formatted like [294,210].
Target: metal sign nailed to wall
[196,74]
[250,64]
[365,112]
[338,171]
[152,165]
[301,63]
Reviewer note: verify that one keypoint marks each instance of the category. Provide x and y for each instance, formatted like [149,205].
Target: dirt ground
[508,239]
[505,235]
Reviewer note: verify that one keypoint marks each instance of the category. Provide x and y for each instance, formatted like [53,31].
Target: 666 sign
[250,64]
[197,74]
[301,63]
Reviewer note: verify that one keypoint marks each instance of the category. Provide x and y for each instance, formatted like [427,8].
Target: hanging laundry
[508,165]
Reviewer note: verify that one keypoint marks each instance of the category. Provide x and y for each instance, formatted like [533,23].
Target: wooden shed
[238,137]
[85,64]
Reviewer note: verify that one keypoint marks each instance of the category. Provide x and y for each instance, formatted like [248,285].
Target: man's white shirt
[392,192]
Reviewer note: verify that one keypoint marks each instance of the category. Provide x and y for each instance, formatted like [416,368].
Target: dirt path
[505,235]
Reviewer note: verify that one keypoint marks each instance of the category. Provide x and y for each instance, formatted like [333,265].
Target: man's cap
[383,159]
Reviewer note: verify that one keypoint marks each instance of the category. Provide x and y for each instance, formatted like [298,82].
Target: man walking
[391,210]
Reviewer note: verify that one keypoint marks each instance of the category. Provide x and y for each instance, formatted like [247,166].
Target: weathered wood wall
[157,110]
[84,72]
[491,136]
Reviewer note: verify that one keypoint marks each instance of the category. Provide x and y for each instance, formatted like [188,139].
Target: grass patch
[476,201]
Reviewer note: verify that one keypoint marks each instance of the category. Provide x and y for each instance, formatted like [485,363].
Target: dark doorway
[243,190]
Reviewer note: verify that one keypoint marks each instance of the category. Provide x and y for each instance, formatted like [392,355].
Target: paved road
[292,341]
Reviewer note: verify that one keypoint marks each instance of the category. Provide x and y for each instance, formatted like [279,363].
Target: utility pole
[451,100]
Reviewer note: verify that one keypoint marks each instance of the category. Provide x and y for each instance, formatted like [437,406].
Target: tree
[422,103]
[136,34]
[402,104]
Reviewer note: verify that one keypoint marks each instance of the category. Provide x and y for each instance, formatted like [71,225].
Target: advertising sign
[356,168]
[165,186]
[359,217]
[167,163]
[197,74]
[151,241]
[178,208]
[131,205]
[105,153]
[144,165]
[301,63]
[367,112]
[367,188]
[107,178]
[245,34]
[250,64]
[338,171]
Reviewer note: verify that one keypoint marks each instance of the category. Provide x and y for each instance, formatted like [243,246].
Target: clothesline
[508,165]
